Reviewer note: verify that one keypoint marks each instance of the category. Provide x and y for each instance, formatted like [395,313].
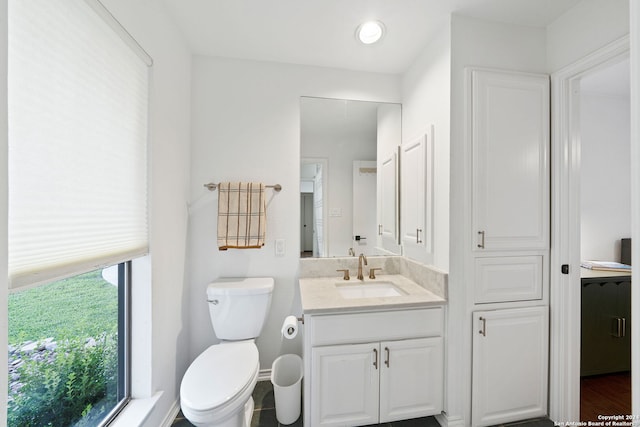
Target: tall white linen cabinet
[507,137]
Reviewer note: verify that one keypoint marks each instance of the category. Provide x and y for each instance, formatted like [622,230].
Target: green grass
[79,307]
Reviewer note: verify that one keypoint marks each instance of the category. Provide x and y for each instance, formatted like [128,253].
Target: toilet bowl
[216,389]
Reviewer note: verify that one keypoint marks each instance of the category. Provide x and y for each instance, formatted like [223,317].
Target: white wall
[389,129]
[605,213]
[585,28]
[426,100]
[246,126]
[590,25]
[168,319]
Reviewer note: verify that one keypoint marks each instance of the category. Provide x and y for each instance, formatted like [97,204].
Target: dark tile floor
[264,414]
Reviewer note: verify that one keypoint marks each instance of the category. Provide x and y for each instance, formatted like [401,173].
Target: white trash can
[286,377]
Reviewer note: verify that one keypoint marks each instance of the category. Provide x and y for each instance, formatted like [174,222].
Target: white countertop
[320,295]
[586,273]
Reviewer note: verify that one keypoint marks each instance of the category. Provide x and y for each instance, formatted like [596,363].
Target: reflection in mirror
[341,142]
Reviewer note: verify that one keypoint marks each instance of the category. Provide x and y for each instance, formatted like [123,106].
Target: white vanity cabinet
[372,367]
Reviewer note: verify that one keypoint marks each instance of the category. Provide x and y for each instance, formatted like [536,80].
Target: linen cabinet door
[345,385]
[510,365]
[510,160]
[411,379]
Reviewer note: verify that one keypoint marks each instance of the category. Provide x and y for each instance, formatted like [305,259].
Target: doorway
[306,224]
[605,226]
[566,254]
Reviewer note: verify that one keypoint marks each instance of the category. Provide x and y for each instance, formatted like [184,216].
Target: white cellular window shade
[78,107]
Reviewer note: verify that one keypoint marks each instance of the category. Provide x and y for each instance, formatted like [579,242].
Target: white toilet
[216,389]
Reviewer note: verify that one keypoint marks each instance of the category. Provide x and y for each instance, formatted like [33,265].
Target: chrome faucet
[360,259]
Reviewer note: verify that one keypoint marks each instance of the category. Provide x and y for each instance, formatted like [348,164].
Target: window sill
[136,411]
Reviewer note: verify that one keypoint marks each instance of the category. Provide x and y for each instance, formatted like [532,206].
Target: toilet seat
[221,376]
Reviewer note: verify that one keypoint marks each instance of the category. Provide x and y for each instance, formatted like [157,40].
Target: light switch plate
[280,247]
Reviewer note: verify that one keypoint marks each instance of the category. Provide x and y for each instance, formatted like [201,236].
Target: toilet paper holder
[299,319]
[290,326]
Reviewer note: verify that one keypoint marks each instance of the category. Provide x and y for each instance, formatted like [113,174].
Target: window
[77,106]
[68,344]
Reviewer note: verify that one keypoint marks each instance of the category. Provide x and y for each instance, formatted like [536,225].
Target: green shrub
[76,388]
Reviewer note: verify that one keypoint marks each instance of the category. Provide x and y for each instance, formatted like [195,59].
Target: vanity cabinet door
[345,384]
[411,380]
[510,365]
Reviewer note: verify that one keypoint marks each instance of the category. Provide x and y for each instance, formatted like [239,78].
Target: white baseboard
[446,421]
[264,375]
[171,415]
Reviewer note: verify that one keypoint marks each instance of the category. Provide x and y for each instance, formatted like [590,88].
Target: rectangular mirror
[349,198]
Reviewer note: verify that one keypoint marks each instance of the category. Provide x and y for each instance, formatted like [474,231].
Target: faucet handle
[372,272]
[346,274]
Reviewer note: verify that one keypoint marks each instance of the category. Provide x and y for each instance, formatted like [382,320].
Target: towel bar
[212,187]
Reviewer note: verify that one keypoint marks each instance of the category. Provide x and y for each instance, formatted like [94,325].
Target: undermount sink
[368,290]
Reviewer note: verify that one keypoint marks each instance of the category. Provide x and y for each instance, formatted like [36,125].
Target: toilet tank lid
[241,286]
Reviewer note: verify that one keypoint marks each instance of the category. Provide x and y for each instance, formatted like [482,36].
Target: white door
[306,222]
[364,206]
[388,201]
[345,389]
[510,365]
[411,380]
[510,152]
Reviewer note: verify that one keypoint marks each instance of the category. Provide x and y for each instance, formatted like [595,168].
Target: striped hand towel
[241,215]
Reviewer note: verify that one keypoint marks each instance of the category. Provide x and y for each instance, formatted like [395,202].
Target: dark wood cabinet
[606,323]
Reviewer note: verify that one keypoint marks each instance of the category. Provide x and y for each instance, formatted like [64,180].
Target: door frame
[564,381]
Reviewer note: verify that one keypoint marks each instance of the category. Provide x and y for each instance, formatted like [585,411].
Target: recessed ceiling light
[370,32]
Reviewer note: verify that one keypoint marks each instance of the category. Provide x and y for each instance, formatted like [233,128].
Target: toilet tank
[238,307]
